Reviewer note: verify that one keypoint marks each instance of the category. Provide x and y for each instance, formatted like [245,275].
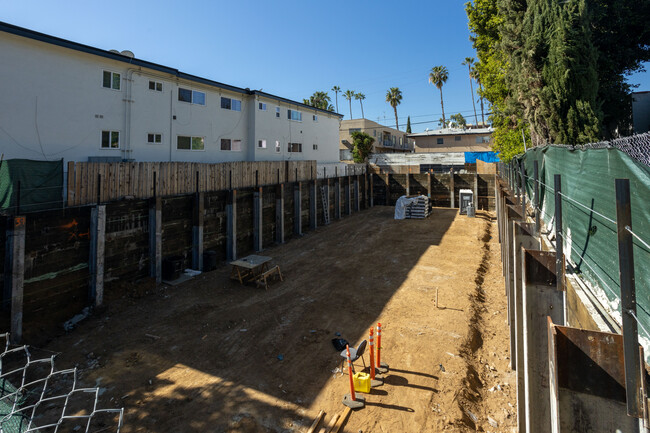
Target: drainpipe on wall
[171,120]
[127,151]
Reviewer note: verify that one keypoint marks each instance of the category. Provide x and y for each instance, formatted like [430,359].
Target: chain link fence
[36,397]
[636,146]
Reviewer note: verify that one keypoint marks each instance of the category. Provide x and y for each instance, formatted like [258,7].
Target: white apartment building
[62,99]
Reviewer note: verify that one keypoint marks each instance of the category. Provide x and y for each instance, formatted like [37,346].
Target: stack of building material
[420,208]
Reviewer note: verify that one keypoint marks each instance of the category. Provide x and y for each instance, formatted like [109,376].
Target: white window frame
[261,144]
[290,115]
[440,140]
[294,151]
[315,117]
[192,92]
[232,145]
[231,103]
[191,137]
[155,86]
[155,135]
[261,106]
[277,146]
[110,134]
[277,112]
[315,147]
[113,73]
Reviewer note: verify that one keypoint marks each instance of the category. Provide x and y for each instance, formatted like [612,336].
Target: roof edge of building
[65,43]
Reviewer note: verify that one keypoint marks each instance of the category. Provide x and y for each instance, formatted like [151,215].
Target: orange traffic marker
[381,367]
[374,380]
[351,400]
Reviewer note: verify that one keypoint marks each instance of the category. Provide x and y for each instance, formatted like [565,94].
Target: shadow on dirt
[239,347]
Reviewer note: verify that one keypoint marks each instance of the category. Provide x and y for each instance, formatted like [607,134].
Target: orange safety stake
[371,340]
[374,380]
[382,368]
[347,353]
[351,400]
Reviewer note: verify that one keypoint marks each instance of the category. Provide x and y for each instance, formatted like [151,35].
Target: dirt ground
[212,356]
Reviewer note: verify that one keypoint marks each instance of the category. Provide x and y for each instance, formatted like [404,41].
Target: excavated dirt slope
[210,355]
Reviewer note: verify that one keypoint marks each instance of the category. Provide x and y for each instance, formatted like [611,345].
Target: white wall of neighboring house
[54,106]
[322,132]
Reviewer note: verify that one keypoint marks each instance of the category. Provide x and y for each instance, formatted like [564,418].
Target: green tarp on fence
[41,184]
[589,217]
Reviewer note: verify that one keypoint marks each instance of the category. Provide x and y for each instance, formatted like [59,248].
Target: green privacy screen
[589,217]
[41,185]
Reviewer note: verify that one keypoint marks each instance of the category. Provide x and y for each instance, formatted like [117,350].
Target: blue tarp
[471,157]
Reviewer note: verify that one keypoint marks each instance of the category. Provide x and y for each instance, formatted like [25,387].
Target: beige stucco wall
[60,110]
[378,132]
[465,142]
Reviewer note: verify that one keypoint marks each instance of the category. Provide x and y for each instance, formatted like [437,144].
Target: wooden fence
[136,179]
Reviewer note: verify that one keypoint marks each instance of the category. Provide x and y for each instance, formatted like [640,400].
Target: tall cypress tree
[408,125]
[556,69]
[571,81]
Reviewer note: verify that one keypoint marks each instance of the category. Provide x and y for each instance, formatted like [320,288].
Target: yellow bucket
[361,382]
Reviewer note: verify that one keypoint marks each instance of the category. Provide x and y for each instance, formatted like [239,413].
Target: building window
[262,106]
[230,104]
[484,139]
[351,130]
[440,140]
[261,144]
[315,117]
[277,146]
[294,115]
[315,146]
[277,112]
[155,85]
[374,132]
[191,96]
[228,144]
[457,138]
[153,138]
[110,139]
[190,143]
[112,80]
[400,141]
[295,147]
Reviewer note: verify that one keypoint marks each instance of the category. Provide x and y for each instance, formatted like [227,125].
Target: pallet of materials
[420,208]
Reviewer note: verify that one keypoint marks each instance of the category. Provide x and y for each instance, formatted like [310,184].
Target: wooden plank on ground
[332,423]
[317,421]
[342,420]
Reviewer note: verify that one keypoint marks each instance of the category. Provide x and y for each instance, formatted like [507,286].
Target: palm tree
[336,90]
[438,76]
[360,97]
[394,98]
[477,77]
[469,61]
[349,94]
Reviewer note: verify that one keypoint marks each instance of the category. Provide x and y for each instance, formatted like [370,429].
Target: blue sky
[288,48]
